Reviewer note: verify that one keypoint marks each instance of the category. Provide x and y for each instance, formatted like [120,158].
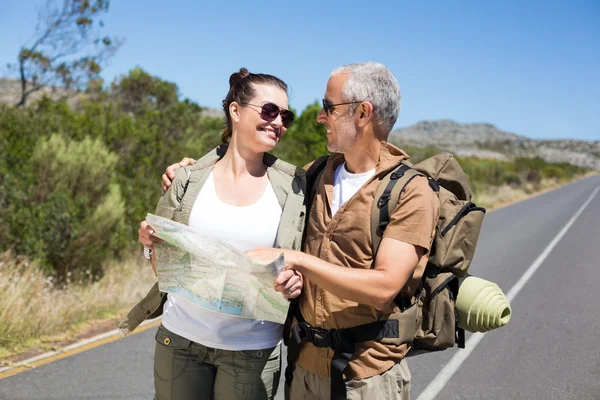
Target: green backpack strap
[387,197]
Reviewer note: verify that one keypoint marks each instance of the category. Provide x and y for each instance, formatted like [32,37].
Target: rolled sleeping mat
[482,306]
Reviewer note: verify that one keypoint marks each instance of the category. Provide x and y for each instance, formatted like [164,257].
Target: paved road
[548,351]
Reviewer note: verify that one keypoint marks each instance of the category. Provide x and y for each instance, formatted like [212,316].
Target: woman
[240,194]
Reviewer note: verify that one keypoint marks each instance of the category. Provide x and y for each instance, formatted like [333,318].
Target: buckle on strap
[331,338]
[318,337]
[300,332]
[383,200]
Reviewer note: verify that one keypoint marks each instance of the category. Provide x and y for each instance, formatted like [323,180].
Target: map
[214,274]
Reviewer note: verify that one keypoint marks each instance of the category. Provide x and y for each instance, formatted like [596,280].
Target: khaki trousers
[393,384]
[185,370]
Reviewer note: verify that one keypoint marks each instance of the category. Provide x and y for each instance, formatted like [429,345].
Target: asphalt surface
[549,350]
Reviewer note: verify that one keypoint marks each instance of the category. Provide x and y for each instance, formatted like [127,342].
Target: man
[345,285]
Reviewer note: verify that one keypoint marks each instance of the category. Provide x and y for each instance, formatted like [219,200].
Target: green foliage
[63,207]
[512,179]
[517,172]
[78,169]
[488,172]
[504,147]
[484,171]
[93,183]
[305,140]
[140,92]
[418,154]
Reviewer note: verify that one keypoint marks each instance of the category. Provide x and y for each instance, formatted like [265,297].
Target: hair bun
[236,76]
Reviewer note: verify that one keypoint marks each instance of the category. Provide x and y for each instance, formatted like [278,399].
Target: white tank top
[244,228]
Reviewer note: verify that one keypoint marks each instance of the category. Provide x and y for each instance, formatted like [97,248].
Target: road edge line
[72,349]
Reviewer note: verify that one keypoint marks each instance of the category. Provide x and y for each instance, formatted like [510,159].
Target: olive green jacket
[289,184]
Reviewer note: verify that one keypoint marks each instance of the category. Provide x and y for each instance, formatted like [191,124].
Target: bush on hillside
[66,211]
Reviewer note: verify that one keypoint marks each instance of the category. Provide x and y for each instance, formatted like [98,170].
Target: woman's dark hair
[241,91]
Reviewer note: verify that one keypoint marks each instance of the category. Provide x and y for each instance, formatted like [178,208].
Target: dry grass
[499,196]
[34,307]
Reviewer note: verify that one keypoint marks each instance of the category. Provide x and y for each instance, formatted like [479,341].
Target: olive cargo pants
[185,370]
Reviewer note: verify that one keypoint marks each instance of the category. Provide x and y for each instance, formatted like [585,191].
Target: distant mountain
[487,141]
[10,92]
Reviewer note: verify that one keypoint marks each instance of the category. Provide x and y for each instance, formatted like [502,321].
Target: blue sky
[528,67]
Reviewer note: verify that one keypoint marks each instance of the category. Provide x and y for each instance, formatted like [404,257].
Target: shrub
[512,179]
[66,211]
[554,172]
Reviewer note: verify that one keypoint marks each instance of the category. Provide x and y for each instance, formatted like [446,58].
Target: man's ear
[364,113]
[234,111]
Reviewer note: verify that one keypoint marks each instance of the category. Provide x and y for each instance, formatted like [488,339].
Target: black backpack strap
[313,175]
[388,199]
[293,346]
[341,358]
[459,332]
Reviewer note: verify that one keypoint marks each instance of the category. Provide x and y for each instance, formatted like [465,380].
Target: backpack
[453,247]
[428,318]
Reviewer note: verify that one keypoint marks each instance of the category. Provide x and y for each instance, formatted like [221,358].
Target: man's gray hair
[372,82]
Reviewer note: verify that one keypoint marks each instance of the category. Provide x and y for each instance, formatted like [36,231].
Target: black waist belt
[342,341]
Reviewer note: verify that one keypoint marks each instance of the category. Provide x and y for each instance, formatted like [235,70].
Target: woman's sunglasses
[270,111]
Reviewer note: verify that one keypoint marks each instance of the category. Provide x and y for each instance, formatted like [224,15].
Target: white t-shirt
[345,185]
[244,228]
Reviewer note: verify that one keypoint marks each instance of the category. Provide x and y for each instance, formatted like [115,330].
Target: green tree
[139,92]
[305,140]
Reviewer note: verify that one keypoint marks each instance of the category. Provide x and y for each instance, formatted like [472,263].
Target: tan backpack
[432,307]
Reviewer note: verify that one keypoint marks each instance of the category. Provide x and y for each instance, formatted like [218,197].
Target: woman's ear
[234,111]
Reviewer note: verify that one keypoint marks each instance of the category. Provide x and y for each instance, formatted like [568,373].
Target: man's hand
[264,254]
[289,283]
[169,174]
[269,254]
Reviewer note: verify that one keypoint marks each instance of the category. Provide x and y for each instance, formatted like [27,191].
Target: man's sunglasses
[270,111]
[328,107]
